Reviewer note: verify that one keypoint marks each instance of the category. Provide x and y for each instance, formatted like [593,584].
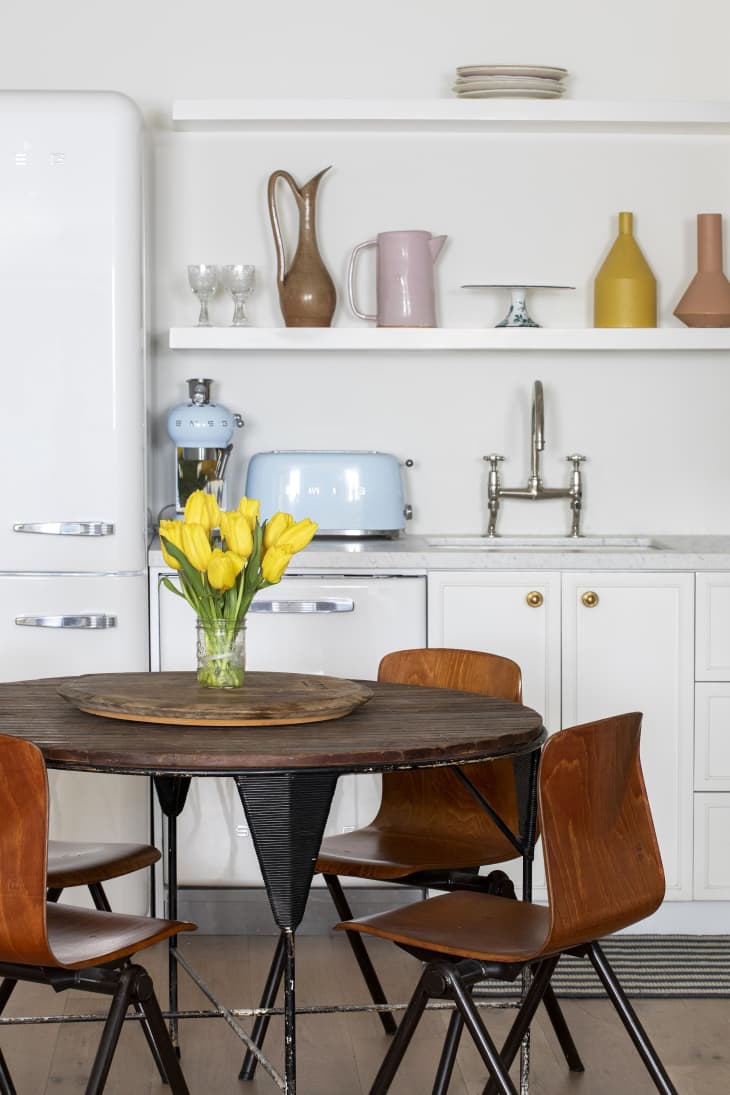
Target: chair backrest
[432,801]
[23,844]
[602,861]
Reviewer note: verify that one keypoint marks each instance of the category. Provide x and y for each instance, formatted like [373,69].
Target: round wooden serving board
[177,698]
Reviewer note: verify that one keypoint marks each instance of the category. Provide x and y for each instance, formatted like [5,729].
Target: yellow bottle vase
[624,292]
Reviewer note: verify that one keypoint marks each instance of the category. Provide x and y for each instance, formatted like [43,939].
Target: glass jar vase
[221,651]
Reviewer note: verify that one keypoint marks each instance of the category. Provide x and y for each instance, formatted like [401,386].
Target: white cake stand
[518,316]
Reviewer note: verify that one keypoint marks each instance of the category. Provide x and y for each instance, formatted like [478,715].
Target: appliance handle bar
[89,621]
[66,528]
[333,604]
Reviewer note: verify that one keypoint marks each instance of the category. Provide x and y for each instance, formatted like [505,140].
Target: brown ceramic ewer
[306,291]
[706,302]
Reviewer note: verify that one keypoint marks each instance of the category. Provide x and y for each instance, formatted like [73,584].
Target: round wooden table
[285,774]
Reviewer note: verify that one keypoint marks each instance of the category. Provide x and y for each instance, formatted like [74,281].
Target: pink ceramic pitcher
[404,278]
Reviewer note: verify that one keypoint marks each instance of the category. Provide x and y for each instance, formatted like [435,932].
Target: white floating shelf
[448,338]
[662,115]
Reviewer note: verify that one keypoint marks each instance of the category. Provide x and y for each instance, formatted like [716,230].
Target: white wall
[654,427]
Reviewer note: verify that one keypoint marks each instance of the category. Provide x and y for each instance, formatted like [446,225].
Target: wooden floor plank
[340,1054]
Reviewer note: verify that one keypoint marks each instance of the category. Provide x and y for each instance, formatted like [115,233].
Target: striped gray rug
[648,966]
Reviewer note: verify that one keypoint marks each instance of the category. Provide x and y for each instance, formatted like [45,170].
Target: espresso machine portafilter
[201,432]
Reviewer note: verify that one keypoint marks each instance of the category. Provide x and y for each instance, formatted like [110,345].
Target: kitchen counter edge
[413,554]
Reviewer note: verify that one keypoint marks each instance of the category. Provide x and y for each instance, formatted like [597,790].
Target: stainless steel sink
[545,543]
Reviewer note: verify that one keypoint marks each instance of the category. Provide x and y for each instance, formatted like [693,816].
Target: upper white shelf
[663,115]
[448,338]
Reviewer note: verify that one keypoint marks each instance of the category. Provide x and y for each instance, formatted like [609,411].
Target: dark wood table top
[402,725]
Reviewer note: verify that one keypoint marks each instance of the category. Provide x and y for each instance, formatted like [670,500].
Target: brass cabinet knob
[590,599]
[534,599]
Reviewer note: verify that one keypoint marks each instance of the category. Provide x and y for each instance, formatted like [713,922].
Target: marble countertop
[411,554]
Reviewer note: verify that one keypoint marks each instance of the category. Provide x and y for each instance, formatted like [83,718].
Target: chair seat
[83,863]
[372,852]
[85,937]
[468,925]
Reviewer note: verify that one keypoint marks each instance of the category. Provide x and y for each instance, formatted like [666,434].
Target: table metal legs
[172,792]
[287,813]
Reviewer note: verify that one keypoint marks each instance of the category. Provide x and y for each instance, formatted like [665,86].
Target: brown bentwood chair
[604,873]
[431,831]
[63,946]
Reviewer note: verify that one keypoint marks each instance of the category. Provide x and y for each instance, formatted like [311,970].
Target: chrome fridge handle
[90,621]
[335,604]
[66,528]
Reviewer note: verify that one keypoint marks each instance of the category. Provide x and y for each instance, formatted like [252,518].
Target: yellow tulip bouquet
[223,559]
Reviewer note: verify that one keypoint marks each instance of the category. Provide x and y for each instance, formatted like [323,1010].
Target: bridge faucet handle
[494,460]
[576,460]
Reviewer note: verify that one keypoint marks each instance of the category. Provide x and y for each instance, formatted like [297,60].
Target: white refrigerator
[73,524]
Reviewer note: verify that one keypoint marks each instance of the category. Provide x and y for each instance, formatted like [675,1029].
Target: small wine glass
[240,281]
[203,280]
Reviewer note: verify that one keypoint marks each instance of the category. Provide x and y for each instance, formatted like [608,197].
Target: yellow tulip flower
[249,507]
[299,535]
[237,533]
[196,545]
[275,562]
[223,569]
[275,526]
[201,508]
[172,531]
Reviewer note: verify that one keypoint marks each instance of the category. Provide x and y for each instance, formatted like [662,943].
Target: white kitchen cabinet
[632,649]
[712,738]
[628,646]
[712,846]
[367,617]
[513,613]
[712,656]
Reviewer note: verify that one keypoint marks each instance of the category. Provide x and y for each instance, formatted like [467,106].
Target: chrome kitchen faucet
[535,489]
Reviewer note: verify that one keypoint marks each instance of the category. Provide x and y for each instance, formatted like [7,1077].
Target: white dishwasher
[337,625]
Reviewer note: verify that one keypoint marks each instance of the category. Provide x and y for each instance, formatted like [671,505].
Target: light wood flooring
[339,1054]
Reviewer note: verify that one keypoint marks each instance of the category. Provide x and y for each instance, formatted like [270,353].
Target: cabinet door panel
[712,657]
[489,610]
[633,651]
[712,737]
[712,840]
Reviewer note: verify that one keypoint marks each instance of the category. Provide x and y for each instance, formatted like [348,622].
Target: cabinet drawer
[712,840]
[712,737]
[712,650]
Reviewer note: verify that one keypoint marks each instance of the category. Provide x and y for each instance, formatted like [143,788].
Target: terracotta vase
[706,302]
[624,292]
[306,291]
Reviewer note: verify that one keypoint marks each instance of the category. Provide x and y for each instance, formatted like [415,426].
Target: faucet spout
[538,433]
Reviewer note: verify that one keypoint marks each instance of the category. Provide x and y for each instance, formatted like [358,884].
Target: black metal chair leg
[525,1015]
[448,1055]
[360,952]
[159,1039]
[121,1000]
[630,1020]
[487,1049]
[7,1087]
[268,999]
[562,1033]
[99,897]
[399,1045]
[6,991]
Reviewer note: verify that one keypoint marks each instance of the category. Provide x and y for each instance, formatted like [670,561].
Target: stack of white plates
[510,81]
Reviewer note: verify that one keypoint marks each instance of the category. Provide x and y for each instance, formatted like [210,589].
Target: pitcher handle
[351,280]
[274,217]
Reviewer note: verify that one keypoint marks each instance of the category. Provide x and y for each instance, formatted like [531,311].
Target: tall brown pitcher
[306,291]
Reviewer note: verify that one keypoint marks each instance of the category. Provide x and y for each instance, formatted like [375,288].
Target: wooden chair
[430,830]
[91,863]
[63,946]
[604,873]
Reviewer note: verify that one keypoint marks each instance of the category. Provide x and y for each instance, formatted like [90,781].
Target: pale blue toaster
[348,493]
